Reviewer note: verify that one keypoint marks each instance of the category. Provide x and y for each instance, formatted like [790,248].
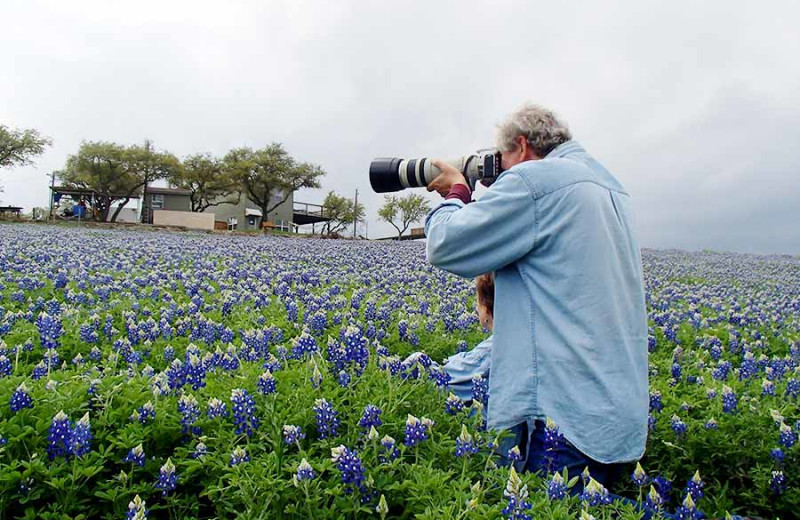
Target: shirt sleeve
[463,366]
[486,235]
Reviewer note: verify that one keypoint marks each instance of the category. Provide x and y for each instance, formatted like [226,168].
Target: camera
[387,174]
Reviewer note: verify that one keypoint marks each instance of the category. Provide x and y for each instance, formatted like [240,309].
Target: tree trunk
[118,210]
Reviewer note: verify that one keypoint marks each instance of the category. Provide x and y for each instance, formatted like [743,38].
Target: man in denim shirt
[570,325]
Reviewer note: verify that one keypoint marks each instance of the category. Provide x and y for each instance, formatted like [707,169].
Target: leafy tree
[269,175]
[341,211]
[116,173]
[103,168]
[209,180]
[19,147]
[146,165]
[401,212]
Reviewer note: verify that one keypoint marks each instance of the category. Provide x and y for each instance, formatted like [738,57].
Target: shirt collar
[563,149]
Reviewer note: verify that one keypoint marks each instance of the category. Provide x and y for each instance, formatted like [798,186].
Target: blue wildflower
[239,456]
[556,487]
[20,399]
[729,400]
[190,411]
[688,510]
[370,417]
[553,441]
[788,438]
[244,411]
[216,408]
[655,401]
[199,450]
[327,419]
[695,486]
[266,383]
[292,434]
[416,431]
[390,451]
[59,436]
[349,464]
[81,437]
[167,478]
[135,456]
[595,494]
[136,509]
[480,389]
[678,426]
[517,493]
[304,471]
[778,483]
[639,477]
[453,404]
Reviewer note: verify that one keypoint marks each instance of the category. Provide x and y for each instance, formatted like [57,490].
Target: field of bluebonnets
[167,375]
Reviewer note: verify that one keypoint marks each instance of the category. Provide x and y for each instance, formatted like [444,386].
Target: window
[157,201]
[233,223]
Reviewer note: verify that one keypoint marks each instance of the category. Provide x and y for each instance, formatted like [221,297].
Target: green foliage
[19,147]
[209,179]
[401,212]
[341,211]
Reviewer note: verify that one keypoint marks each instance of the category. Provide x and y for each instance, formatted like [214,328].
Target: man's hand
[445,180]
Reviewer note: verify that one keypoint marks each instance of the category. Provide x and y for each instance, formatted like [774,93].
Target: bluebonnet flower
[190,411]
[344,379]
[200,450]
[304,472]
[239,456]
[553,440]
[136,509]
[695,486]
[39,371]
[20,399]
[777,455]
[788,438]
[272,364]
[292,434]
[729,400]
[792,389]
[390,451]
[767,387]
[316,375]
[480,389]
[465,445]
[5,366]
[92,389]
[416,431]
[176,375]
[440,377]
[517,493]
[370,417]
[195,372]
[167,478]
[594,494]
[711,424]
[348,462]
[81,437]
[677,370]
[748,368]
[721,372]
[303,345]
[319,321]
[266,383]
[216,408]
[453,404]
[355,348]
[639,477]
[135,456]
[146,412]
[678,426]
[711,393]
[556,487]
[654,500]
[461,346]
[59,436]
[778,483]
[514,455]
[655,401]
[327,419]
[402,329]
[688,510]
[651,422]
[244,411]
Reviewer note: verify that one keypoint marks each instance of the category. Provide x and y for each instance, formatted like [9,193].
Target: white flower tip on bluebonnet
[411,420]
[688,502]
[122,477]
[515,452]
[176,363]
[639,472]
[237,393]
[464,436]
[61,416]
[476,487]
[22,387]
[586,474]
[557,478]
[382,508]
[320,402]
[168,467]
[728,516]
[696,478]
[428,423]
[304,466]
[51,385]
[373,433]
[137,504]
[551,425]
[387,440]
[515,487]
[586,516]
[337,452]
[266,375]
[194,360]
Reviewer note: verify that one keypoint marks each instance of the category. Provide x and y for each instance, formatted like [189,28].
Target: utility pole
[355,214]
[52,185]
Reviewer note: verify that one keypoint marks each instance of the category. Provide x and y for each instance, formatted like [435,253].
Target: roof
[67,190]
[168,191]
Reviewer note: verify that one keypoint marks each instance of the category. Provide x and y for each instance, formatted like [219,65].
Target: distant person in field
[570,325]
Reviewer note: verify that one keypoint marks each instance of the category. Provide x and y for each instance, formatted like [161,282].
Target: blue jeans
[531,447]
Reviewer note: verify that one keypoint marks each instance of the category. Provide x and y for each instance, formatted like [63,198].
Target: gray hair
[538,125]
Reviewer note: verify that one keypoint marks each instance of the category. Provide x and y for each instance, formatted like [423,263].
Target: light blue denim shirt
[463,366]
[570,325]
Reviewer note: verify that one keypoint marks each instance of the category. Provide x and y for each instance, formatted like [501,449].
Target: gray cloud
[693,106]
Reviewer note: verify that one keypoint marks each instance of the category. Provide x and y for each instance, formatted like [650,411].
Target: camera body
[388,174]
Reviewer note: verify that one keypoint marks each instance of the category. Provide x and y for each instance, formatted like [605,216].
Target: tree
[268,176]
[18,147]
[116,173]
[103,168]
[146,165]
[403,211]
[341,211]
[209,180]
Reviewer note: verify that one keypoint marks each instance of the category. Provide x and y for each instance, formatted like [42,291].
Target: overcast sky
[694,106]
